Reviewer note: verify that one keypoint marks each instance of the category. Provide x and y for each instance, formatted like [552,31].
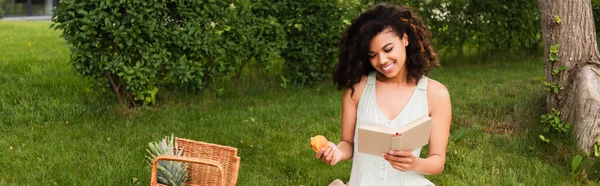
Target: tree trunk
[579,100]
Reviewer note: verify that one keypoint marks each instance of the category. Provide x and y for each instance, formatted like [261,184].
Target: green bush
[313,30]
[134,48]
[488,26]
[504,25]
[2,7]
[269,37]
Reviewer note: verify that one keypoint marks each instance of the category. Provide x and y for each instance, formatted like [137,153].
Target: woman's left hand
[401,160]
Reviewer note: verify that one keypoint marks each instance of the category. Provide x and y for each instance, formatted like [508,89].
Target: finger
[326,153]
[398,160]
[323,157]
[337,156]
[332,149]
[319,153]
[399,167]
[330,155]
[391,157]
[403,160]
[402,156]
[333,159]
[401,153]
[386,156]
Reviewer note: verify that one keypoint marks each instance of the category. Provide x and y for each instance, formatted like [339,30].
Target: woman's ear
[405,40]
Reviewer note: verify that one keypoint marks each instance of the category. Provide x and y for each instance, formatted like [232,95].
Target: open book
[376,139]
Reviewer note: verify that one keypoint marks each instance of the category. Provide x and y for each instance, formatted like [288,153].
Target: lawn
[55,129]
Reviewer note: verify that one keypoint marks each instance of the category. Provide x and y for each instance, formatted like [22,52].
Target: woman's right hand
[330,155]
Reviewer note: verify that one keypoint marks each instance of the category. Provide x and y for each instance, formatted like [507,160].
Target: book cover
[376,139]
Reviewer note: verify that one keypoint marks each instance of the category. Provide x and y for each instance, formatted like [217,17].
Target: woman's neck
[399,80]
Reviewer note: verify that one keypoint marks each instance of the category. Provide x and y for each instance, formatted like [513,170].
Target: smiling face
[387,54]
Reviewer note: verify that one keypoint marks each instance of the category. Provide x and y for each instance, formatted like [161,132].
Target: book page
[415,137]
[413,124]
[376,139]
[373,139]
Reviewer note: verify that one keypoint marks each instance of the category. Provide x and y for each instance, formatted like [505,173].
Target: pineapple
[168,172]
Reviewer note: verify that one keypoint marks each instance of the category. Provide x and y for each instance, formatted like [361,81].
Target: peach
[317,142]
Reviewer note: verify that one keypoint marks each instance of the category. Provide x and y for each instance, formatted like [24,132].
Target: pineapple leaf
[168,172]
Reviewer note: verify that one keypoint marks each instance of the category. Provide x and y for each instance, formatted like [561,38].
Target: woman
[384,56]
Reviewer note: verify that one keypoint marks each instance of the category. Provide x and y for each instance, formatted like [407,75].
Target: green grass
[54,129]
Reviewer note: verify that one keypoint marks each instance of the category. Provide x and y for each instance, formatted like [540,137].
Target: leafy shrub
[488,26]
[2,7]
[313,30]
[504,24]
[136,47]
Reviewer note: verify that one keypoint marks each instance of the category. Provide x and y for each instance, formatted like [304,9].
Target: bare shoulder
[358,89]
[438,99]
[437,90]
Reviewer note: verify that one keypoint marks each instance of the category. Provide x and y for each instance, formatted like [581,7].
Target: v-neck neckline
[403,109]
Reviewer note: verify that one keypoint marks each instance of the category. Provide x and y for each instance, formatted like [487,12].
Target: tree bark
[114,86]
[579,100]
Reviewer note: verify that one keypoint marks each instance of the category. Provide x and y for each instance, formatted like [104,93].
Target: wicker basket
[209,164]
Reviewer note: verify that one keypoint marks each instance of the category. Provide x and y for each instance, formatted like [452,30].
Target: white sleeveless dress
[374,170]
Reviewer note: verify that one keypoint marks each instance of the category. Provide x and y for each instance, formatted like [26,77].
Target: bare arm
[344,150]
[349,107]
[441,116]
[440,112]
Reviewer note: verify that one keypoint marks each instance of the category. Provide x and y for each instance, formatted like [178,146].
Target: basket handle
[153,180]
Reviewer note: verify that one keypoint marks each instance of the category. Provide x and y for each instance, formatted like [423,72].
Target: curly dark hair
[354,46]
